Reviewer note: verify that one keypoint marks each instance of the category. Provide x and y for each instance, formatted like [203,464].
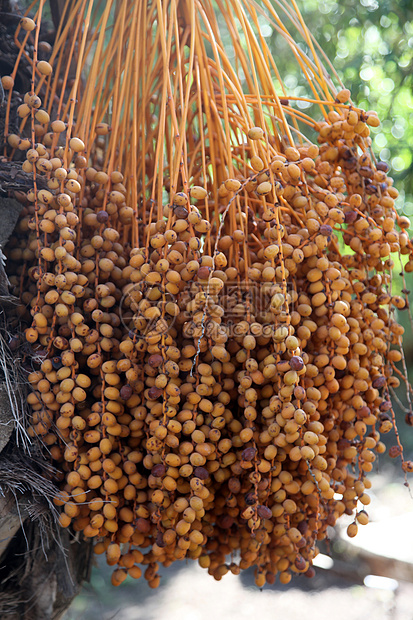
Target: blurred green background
[370,44]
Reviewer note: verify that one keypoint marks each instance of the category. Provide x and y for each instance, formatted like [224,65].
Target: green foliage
[370,44]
